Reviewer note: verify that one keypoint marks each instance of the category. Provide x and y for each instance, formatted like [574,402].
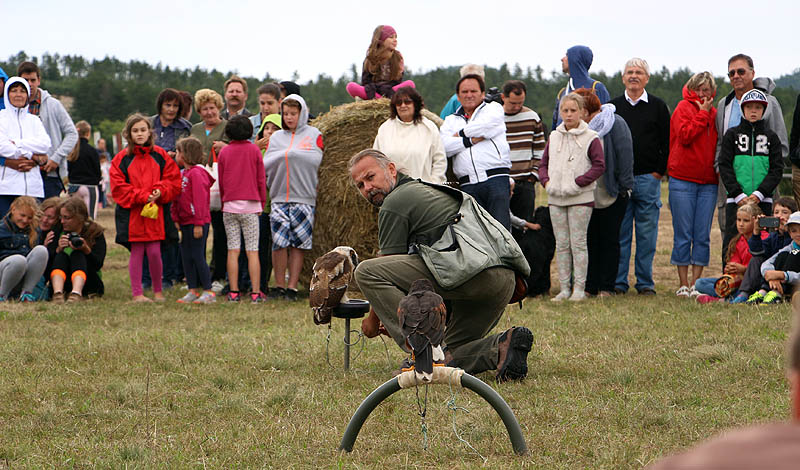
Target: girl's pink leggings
[138,250]
[357,91]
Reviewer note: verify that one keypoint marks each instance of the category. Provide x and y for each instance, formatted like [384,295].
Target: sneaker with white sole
[207,297]
[683,292]
[188,298]
[217,287]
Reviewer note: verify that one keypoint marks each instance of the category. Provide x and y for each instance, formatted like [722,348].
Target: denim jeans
[493,195]
[705,285]
[692,207]
[642,215]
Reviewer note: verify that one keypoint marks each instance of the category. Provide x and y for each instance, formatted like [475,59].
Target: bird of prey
[422,316]
[331,274]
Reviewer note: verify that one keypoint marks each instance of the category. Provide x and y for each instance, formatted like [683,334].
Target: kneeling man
[413,217]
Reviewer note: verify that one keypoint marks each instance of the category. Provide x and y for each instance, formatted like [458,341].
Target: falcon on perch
[422,316]
[331,274]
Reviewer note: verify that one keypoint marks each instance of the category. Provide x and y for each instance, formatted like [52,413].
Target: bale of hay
[343,216]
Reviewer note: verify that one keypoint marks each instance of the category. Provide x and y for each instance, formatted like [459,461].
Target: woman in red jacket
[140,174]
[692,179]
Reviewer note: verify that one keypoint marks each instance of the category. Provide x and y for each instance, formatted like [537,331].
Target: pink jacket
[241,173]
[192,205]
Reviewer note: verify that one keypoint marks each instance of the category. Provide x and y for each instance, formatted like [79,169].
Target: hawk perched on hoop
[331,274]
[423,318]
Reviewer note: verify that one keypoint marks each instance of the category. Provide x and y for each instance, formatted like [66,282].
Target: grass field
[613,384]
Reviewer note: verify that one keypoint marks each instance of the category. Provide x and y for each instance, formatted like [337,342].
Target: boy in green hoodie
[750,162]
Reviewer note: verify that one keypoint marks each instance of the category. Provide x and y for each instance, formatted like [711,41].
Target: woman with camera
[78,253]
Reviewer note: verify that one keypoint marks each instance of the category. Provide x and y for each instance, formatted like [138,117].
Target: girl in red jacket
[191,211]
[737,255]
[140,174]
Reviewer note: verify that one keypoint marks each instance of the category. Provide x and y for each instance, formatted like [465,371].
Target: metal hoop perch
[467,381]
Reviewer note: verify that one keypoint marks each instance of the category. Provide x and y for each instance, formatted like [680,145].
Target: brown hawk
[423,318]
[331,274]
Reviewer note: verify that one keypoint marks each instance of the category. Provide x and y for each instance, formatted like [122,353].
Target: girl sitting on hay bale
[292,164]
[383,68]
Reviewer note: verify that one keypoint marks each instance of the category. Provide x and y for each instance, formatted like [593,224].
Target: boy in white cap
[782,270]
[750,161]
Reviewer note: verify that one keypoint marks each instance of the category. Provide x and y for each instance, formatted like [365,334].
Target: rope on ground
[453,406]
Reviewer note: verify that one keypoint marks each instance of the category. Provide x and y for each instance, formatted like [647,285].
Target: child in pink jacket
[191,212]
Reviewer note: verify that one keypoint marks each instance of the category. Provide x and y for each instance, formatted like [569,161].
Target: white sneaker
[563,295]
[694,293]
[207,297]
[217,287]
[188,298]
[682,292]
[577,295]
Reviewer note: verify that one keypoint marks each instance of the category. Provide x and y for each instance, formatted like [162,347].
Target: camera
[769,222]
[75,239]
[493,94]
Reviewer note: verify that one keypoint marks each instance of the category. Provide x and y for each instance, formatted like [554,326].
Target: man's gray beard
[380,191]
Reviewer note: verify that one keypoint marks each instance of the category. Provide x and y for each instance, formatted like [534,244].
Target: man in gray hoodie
[57,123]
[742,76]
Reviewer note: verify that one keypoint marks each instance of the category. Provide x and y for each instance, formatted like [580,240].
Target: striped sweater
[526,137]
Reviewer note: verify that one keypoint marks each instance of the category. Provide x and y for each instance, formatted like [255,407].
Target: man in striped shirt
[526,137]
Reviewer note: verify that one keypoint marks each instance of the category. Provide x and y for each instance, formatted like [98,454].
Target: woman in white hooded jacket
[572,161]
[24,143]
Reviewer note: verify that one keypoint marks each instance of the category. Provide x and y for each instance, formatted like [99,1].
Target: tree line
[105,91]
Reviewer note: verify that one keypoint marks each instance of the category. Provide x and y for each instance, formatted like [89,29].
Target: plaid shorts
[292,225]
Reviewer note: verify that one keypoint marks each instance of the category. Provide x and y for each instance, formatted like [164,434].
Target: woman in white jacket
[23,146]
[411,140]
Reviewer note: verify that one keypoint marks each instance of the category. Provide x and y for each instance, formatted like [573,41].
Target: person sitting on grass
[763,244]
[22,262]
[78,254]
[782,271]
[295,150]
[737,256]
[243,191]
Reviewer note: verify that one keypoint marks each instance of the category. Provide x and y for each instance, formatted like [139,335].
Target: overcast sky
[316,37]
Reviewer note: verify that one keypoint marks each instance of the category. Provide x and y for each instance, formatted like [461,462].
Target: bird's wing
[436,313]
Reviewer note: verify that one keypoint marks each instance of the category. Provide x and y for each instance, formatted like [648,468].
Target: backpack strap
[594,85]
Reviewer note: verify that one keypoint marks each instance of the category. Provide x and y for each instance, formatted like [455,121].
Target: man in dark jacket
[414,213]
[648,118]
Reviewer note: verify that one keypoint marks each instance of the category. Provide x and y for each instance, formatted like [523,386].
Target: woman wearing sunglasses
[411,140]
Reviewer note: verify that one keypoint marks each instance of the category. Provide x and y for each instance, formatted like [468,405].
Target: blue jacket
[770,245]
[13,240]
[580,59]
[4,78]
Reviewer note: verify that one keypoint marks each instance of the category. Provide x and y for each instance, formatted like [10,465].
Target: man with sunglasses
[729,114]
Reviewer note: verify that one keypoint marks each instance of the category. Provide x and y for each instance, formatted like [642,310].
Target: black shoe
[291,295]
[649,291]
[276,293]
[515,366]
[618,291]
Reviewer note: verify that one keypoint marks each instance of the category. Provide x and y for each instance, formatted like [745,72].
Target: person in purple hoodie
[191,211]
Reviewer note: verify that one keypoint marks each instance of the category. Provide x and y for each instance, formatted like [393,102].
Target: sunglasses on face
[405,101]
[734,72]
